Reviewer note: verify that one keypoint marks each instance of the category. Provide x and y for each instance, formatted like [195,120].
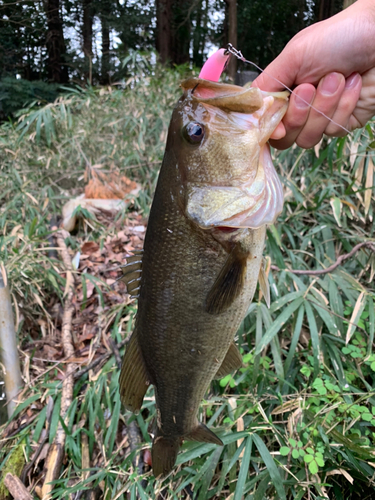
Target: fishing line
[237,53]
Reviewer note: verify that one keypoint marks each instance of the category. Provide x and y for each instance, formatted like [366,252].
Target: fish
[202,258]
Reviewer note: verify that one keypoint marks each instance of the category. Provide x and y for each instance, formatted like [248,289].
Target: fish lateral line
[238,54]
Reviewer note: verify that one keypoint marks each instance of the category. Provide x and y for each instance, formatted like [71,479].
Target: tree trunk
[163,28]
[57,70]
[181,29]
[232,35]
[105,77]
[197,36]
[326,9]
[88,19]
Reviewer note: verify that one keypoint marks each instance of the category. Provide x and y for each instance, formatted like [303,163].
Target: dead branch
[56,452]
[366,244]
[8,345]
[135,441]
[16,488]
[115,351]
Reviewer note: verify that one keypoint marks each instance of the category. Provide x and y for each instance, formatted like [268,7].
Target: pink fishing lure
[214,66]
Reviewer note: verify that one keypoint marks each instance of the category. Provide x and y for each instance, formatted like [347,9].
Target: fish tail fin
[164,454]
[203,434]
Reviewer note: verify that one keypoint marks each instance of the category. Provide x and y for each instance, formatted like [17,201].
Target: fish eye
[194,132]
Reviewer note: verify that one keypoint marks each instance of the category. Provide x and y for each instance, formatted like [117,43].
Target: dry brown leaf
[358,178]
[359,305]
[89,247]
[343,472]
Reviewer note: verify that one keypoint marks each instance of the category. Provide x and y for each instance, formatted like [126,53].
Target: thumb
[277,74]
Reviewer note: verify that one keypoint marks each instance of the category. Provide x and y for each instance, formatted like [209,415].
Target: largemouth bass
[217,190]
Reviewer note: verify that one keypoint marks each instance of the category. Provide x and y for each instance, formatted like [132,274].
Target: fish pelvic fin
[134,379]
[228,284]
[231,362]
[203,434]
[164,454]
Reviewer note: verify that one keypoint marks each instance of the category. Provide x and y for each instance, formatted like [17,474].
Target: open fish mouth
[254,198]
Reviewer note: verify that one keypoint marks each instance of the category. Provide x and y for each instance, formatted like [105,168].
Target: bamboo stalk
[8,345]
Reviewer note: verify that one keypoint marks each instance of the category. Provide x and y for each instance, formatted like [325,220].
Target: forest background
[62,42]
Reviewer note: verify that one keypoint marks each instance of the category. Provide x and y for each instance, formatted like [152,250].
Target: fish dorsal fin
[132,273]
[228,284]
[231,363]
[134,379]
[264,285]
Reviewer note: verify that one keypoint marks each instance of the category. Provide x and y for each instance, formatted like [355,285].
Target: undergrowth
[298,420]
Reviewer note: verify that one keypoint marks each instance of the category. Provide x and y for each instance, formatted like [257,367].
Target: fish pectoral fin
[264,285]
[134,379]
[228,284]
[231,363]
[203,434]
[164,454]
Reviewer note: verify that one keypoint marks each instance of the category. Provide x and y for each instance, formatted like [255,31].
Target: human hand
[332,66]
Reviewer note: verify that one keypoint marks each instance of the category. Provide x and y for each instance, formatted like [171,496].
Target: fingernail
[352,80]
[303,99]
[331,83]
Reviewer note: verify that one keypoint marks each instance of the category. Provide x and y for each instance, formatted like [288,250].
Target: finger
[280,72]
[279,132]
[325,103]
[365,108]
[296,115]
[346,106]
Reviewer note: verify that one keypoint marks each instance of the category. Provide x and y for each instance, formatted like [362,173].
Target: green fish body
[217,190]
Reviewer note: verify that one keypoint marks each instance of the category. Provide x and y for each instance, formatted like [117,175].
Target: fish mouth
[229,98]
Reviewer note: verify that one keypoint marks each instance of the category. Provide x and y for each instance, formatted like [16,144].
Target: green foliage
[16,94]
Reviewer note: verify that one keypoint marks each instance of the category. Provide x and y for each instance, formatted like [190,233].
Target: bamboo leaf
[278,304]
[207,478]
[326,317]
[279,323]
[25,404]
[258,338]
[271,467]
[336,209]
[112,429]
[295,338]
[244,470]
[314,334]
